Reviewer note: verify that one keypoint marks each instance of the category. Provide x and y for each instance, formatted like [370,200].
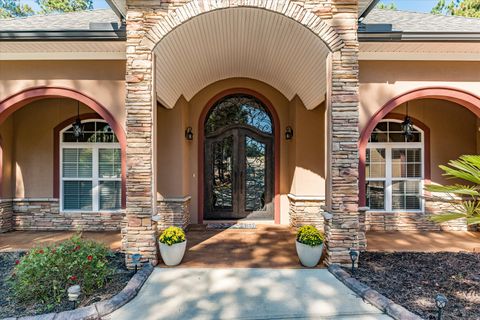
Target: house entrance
[239,160]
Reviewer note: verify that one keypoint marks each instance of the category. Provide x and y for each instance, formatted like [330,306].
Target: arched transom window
[394,168]
[90,168]
[239,109]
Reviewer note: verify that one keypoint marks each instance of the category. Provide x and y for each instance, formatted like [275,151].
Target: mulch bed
[414,279]
[9,307]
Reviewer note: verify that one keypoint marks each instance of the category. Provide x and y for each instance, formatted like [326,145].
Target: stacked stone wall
[6,215]
[414,221]
[306,211]
[173,212]
[44,214]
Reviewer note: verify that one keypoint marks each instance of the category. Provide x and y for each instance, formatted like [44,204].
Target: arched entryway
[239,158]
[306,54]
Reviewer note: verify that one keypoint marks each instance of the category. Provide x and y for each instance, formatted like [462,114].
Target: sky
[407,5]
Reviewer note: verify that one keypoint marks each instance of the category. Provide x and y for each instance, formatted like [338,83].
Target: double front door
[238,174]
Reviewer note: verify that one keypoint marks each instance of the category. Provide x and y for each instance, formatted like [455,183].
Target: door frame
[201,148]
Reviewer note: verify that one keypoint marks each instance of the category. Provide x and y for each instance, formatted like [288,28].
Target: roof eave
[419,36]
[63,35]
[367,10]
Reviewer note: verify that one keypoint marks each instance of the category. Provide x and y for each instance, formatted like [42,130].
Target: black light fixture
[77,125]
[189,133]
[136,257]
[441,302]
[288,133]
[353,257]
[407,126]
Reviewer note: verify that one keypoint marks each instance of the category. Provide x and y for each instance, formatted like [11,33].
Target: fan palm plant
[463,199]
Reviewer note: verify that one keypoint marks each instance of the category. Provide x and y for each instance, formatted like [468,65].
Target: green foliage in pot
[310,236]
[172,235]
[44,274]
[463,199]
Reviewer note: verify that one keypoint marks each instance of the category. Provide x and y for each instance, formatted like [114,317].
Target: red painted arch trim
[201,151]
[1,167]
[458,96]
[22,98]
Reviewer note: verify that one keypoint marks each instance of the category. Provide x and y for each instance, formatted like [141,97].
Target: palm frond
[444,217]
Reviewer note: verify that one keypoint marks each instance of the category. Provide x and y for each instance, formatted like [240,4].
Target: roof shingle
[421,22]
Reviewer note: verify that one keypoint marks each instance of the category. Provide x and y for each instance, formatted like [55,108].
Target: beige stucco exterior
[28,137]
[381,81]
[28,143]
[103,81]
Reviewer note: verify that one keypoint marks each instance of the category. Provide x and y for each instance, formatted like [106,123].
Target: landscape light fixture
[189,133]
[353,257]
[136,257]
[407,126]
[73,294]
[77,125]
[440,301]
[288,133]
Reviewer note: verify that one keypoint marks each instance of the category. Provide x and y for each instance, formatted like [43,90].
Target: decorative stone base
[6,215]
[306,210]
[414,221]
[44,214]
[173,212]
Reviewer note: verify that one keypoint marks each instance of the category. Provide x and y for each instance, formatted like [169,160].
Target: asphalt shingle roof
[61,21]
[421,22]
[399,21]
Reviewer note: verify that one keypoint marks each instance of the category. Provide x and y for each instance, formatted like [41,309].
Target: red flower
[40,251]
[89,258]
[73,278]
[76,248]
[17,261]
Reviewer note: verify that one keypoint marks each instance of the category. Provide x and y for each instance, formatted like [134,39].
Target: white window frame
[94,146]
[388,146]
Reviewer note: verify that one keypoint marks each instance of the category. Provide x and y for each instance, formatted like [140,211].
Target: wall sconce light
[189,133]
[288,133]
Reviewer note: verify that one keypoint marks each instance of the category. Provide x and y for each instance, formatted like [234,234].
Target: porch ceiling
[241,42]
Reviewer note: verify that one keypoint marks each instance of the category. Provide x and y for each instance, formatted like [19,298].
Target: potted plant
[309,245]
[172,244]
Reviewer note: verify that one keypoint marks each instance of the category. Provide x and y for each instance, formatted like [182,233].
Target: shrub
[172,235]
[310,236]
[44,274]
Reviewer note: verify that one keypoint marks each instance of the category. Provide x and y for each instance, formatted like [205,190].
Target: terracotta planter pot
[309,256]
[172,255]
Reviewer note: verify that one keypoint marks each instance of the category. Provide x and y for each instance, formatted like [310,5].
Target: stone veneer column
[342,226]
[6,215]
[139,234]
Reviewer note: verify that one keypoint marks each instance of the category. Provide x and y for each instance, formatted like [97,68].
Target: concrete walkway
[197,293]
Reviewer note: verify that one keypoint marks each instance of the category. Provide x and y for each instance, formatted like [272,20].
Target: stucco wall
[103,81]
[6,134]
[30,171]
[381,81]
[301,159]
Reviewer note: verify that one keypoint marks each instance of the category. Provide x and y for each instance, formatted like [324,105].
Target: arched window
[90,168]
[239,109]
[394,168]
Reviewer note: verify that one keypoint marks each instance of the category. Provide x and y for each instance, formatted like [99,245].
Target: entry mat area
[231,225]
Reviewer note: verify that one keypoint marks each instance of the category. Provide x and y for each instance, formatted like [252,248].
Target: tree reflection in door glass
[222,174]
[254,175]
